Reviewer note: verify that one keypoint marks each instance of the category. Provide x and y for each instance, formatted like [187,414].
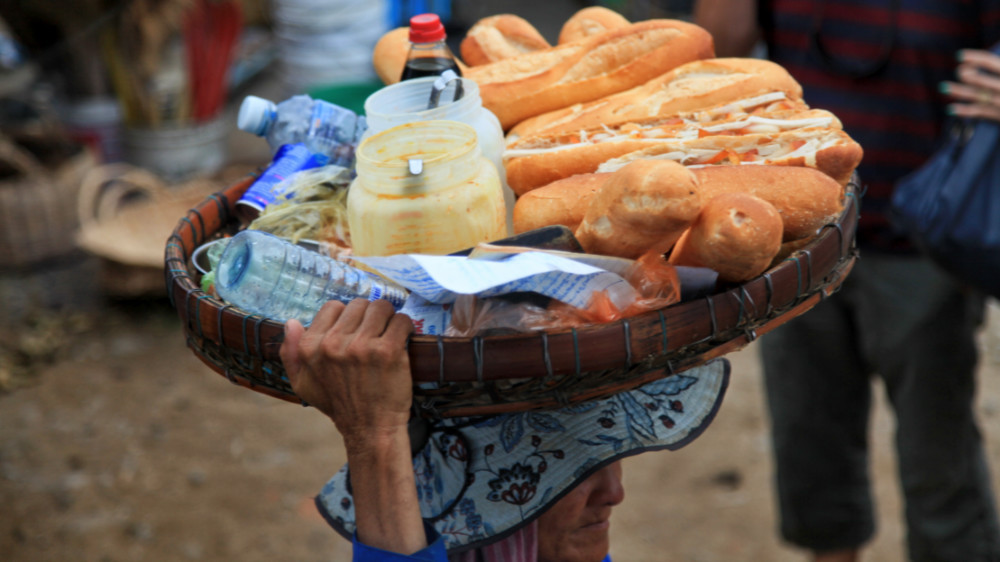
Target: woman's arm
[352,365]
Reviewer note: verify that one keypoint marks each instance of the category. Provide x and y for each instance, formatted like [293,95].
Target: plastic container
[291,158]
[429,55]
[270,276]
[324,127]
[424,188]
[407,102]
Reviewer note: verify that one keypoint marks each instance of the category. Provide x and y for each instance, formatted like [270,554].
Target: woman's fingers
[376,317]
[984,59]
[327,316]
[978,89]
[351,317]
[969,94]
[975,111]
[400,327]
[978,78]
[289,351]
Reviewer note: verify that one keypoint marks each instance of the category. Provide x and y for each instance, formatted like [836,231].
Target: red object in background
[211,32]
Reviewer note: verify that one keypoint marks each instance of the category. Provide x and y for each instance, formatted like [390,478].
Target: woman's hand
[352,365]
[977,92]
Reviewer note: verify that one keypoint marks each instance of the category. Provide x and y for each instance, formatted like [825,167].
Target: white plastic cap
[255,114]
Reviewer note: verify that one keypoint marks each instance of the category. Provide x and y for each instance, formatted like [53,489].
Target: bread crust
[641,208]
[589,21]
[541,159]
[805,198]
[562,202]
[499,37]
[696,84]
[736,234]
[520,87]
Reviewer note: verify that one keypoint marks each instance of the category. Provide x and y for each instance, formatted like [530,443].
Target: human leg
[818,396]
[927,357]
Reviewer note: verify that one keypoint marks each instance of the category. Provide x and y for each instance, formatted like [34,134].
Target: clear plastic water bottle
[325,128]
[270,276]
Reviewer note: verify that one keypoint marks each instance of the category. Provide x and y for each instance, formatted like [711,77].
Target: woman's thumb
[289,351]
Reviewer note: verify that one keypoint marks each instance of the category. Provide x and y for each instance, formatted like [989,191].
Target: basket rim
[244,347]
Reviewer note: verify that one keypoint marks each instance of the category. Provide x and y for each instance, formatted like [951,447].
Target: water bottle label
[333,131]
[428,318]
[289,159]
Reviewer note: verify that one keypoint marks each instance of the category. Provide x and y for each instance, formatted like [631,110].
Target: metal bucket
[178,153]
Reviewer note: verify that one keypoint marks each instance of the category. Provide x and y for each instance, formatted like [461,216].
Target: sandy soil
[124,447]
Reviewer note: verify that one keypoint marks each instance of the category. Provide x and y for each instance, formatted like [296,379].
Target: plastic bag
[655,281]
[950,206]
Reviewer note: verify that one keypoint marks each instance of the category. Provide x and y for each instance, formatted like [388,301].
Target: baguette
[641,208]
[736,234]
[531,84]
[589,21]
[499,37]
[829,150]
[688,87]
[541,159]
[805,198]
[562,202]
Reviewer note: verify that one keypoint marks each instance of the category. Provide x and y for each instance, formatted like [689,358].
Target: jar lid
[426,28]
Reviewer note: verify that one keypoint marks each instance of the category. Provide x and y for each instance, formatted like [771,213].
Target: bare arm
[351,364]
[732,23]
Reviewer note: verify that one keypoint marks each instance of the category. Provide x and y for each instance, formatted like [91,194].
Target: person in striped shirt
[891,70]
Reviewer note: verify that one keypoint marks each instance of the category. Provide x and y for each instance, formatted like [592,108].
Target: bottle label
[289,159]
[333,130]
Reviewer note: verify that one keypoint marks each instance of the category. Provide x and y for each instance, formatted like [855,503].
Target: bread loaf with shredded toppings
[700,83]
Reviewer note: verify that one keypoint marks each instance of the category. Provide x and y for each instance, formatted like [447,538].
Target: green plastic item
[350,95]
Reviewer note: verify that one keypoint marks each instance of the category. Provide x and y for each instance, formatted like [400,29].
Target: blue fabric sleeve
[435,552]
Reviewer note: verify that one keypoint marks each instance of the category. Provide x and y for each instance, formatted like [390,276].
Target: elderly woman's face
[575,529]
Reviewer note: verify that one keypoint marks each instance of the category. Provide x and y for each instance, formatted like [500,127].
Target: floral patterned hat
[481,479]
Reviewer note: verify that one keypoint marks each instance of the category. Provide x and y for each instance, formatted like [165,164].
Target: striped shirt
[877,64]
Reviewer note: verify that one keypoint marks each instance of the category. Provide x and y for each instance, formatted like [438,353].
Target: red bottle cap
[426,28]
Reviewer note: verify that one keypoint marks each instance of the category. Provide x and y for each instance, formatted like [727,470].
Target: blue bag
[951,205]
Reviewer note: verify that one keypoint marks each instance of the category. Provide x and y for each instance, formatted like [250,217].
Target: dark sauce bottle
[428,66]
[429,54]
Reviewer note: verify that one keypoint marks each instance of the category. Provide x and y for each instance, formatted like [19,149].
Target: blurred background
[116,442]
[128,107]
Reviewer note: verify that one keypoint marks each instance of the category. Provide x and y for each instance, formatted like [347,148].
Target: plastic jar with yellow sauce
[424,188]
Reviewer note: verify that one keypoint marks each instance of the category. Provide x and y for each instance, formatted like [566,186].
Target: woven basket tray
[496,374]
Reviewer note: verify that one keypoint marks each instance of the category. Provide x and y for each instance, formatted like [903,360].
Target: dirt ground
[124,447]
[119,445]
